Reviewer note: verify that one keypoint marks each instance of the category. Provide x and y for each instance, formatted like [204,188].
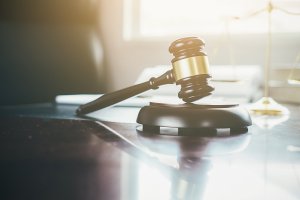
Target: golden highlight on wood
[190,67]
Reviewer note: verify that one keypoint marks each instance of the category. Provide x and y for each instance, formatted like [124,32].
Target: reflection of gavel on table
[190,70]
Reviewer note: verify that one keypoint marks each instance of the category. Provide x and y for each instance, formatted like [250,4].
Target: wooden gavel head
[190,68]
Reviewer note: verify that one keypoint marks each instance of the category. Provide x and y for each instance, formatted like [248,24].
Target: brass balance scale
[267,105]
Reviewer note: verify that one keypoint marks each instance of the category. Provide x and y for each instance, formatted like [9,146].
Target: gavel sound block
[190,70]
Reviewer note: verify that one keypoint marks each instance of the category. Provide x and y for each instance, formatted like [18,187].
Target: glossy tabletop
[48,153]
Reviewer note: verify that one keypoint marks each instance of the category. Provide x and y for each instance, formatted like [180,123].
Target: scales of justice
[267,106]
[190,70]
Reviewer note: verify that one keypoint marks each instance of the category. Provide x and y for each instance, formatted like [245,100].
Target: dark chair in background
[47,48]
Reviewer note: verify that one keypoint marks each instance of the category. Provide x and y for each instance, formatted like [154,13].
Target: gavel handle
[112,98]
[120,95]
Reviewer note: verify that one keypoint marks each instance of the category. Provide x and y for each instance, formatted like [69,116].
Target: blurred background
[49,48]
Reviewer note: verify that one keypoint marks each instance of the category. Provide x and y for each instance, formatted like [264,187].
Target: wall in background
[125,60]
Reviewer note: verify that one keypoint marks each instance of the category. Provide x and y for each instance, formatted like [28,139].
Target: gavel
[190,69]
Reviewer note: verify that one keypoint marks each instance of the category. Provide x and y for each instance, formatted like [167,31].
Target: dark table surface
[46,152]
